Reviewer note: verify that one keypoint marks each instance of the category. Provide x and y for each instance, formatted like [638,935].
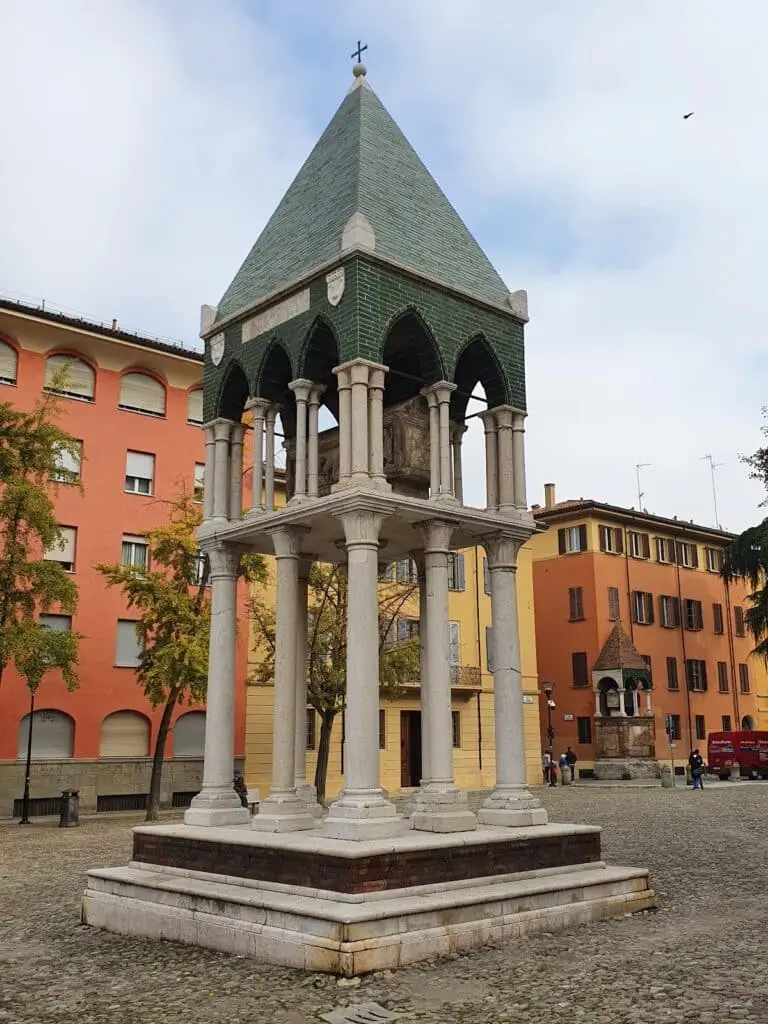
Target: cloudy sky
[145,142]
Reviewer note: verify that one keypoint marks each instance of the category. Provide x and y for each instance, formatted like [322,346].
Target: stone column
[439,805]
[217,803]
[221,481]
[458,430]
[491,460]
[359,373]
[362,811]
[376,426]
[301,389]
[518,460]
[304,790]
[426,762]
[313,457]
[283,811]
[269,465]
[510,803]
[443,390]
[345,425]
[236,471]
[504,416]
[434,442]
[259,408]
[598,709]
[622,710]
[210,471]
[648,709]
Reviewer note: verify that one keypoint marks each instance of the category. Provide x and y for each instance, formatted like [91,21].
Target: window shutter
[695,554]
[128,644]
[139,391]
[561,542]
[195,406]
[603,531]
[646,546]
[699,615]
[486,577]
[189,735]
[676,610]
[402,630]
[672,551]
[489,649]
[9,362]
[453,633]
[53,735]
[619,537]
[80,376]
[140,465]
[582,538]
[63,550]
[649,608]
[460,572]
[635,605]
[124,734]
[58,623]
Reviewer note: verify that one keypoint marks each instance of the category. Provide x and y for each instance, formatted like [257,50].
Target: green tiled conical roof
[363,164]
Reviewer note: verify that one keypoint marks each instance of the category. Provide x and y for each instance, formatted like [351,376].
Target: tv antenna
[640,492]
[712,467]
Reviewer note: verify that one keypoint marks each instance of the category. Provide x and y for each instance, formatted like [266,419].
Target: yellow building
[400,720]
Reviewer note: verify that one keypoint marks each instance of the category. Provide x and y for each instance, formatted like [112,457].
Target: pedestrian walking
[696,764]
[571,758]
[547,767]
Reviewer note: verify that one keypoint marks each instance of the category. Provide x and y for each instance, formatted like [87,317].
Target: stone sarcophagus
[625,747]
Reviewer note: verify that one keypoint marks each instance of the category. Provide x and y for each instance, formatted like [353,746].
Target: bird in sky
[686,116]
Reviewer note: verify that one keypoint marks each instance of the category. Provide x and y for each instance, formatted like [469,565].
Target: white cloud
[149,141]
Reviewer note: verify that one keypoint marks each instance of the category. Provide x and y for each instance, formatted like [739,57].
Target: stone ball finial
[359,70]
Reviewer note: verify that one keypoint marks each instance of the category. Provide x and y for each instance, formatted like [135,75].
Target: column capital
[286,540]
[458,430]
[301,387]
[437,536]
[221,428]
[224,559]
[362,528]
[441,389]
[504,417]
[270,412]
[315,394]
[431,397]
[377,377]
[502,551]
[518,420]
[238,433]
[489,421]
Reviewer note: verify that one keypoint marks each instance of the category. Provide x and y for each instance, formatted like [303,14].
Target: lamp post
[28,768]
[548,688]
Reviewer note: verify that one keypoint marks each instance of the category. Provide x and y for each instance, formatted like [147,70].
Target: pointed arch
[411,352]
[319,355]
[233,393]
[272,379]
[477,363]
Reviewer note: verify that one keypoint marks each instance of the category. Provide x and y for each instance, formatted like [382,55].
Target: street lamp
[548,688]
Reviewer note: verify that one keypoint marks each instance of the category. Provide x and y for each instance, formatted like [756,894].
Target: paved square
[700,958]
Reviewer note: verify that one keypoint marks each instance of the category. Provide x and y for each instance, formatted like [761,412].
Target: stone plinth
[625,748]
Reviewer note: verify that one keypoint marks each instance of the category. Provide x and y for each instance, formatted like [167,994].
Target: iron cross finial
[359,51]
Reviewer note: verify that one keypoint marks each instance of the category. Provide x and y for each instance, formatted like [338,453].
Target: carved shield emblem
[217,349]
[335,282]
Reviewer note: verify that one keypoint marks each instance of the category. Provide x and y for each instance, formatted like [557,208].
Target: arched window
[53,735]
[189,735]
[747,723]
[76,381]
[9,363]
[195,407]
[124,734]
[141,393]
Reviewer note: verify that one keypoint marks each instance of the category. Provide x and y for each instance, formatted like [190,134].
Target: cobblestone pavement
[700,958]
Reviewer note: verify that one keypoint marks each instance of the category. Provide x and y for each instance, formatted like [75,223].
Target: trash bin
[667,778]
[69,809]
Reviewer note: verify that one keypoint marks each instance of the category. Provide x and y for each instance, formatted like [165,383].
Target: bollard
[667,778]
[565,776]
[735,773]
[69,809]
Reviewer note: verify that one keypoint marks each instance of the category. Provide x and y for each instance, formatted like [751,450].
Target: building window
[717,616]
[456,728]
[135,551]
[743,679]
[195,407]
[456,580]
[665,550]
[669,611]
[696,674]
[59,623]
[701,727]
[639,545]
[642,608]
[579,668]
[486,577]
[139,473]
[572,539]
[738,615]
[68,464]
[128,644]
[614,608]
[611,540]
[726,723]
[693,614]
[406,571]
[687,555]
[311,728]
[79,380]
[199,481]
[575,604]
[714,558]
[673,683]
[672,723]
[648,664]
[141,393]
[53,735]
[382,729]
[406,629]
[9,363]
[584,726]
[454,651]
[63,549]
[722,677]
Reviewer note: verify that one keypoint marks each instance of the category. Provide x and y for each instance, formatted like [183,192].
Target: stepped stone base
[302,900]
[615,768]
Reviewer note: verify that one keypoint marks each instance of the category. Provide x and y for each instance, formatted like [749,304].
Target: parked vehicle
[749,750]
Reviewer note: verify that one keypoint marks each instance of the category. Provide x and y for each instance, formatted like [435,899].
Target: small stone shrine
[365,293]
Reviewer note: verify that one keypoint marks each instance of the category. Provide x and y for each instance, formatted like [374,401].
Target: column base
[363,816]
[512,807]
[307,793]
[216,807]
[283,813]
[441,807]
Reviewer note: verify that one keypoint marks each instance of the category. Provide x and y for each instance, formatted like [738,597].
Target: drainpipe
[732,654]
[479,661]
[682,643]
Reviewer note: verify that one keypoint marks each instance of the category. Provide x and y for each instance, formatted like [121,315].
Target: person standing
[565,771]
[571,758]
[696,764]
[547,767]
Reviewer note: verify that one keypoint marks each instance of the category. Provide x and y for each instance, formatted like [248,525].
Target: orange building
[596,564]
[135,405]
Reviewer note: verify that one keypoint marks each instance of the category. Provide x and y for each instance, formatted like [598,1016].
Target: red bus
[749,750]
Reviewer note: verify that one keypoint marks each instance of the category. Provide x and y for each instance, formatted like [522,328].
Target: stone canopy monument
[365,293]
